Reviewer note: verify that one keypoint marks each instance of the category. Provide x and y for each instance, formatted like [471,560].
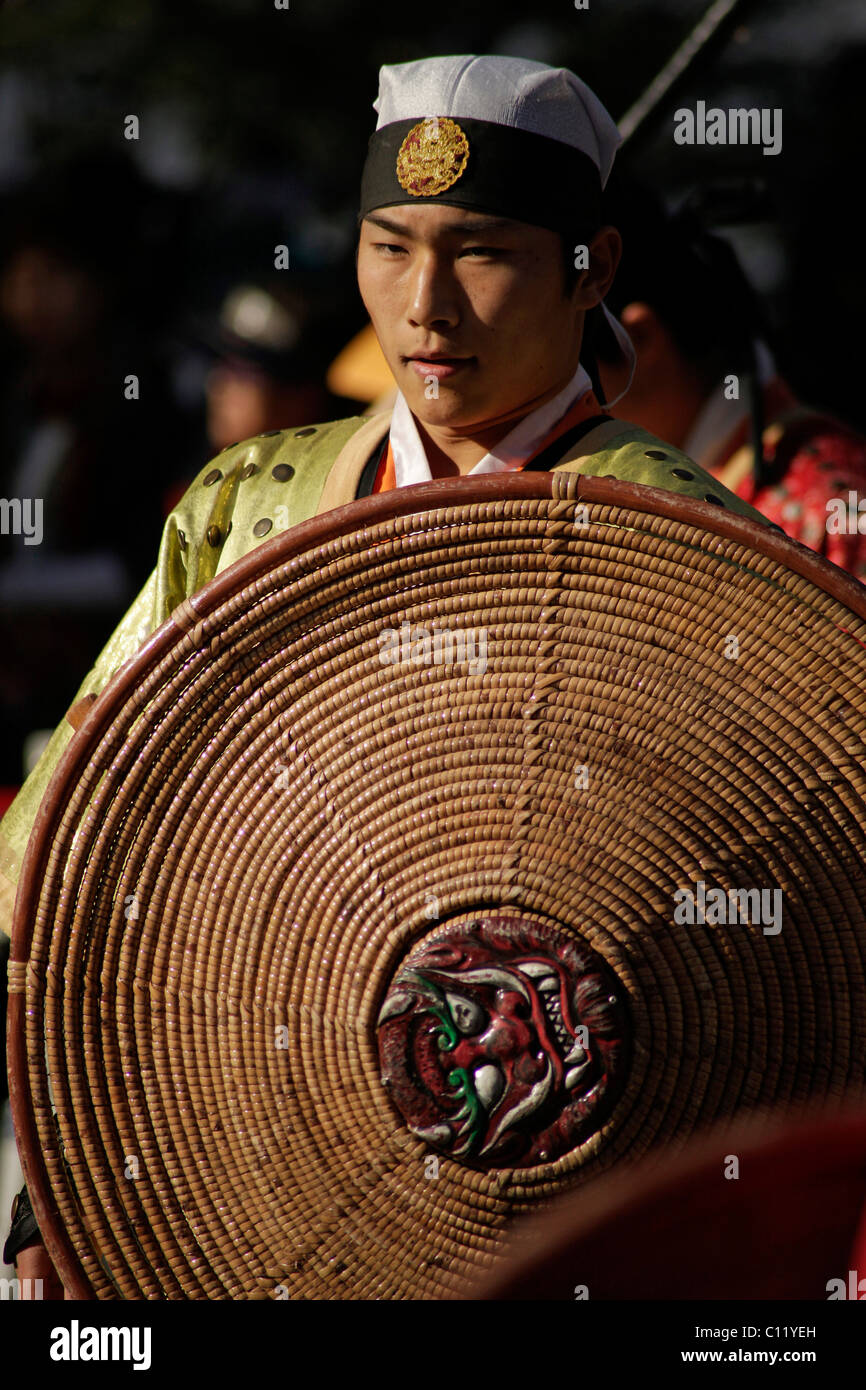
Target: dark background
[253,129]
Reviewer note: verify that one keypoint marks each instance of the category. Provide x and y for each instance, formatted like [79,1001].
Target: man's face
[470,311]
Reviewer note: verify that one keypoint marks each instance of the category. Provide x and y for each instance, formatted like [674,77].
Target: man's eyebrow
[483,224]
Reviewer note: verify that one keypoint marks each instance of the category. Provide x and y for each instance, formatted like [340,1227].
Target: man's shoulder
[297,448]
[254,489]
[622,450]
[636,448]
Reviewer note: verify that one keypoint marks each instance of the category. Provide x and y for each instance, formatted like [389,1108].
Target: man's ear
[605,251]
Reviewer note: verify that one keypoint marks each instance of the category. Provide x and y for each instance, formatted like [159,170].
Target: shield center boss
[432,157]
[503,1043]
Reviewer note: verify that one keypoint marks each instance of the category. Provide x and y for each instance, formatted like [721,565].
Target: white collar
[410,460]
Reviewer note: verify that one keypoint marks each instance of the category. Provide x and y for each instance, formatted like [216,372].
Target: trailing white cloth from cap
[626,348]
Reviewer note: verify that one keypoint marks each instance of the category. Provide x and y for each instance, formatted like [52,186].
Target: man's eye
[387,246]
[483,251]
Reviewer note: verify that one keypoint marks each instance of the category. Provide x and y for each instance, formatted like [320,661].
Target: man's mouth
[438,366]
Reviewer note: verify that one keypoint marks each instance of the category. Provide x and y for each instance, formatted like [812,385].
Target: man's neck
[452,453]
[458,455]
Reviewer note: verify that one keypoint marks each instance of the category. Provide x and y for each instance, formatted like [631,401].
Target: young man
[481,253]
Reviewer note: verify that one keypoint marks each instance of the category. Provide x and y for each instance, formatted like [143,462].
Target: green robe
[256,489]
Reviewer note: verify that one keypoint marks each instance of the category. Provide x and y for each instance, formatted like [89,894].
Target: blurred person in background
[271,346]
[77,282]
[698,333]
[74,437]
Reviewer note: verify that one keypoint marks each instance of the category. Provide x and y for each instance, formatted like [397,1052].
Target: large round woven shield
[444,852]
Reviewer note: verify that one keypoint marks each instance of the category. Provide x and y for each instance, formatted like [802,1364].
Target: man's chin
[450,406]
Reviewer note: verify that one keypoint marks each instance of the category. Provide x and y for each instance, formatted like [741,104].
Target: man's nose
[433,298]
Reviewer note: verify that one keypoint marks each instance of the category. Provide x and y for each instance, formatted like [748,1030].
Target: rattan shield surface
[261,818]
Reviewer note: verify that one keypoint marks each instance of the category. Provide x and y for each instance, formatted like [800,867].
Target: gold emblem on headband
[432,157]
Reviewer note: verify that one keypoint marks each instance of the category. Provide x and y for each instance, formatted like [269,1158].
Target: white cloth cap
[505,91]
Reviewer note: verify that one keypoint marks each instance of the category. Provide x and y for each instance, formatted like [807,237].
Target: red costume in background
[810,458]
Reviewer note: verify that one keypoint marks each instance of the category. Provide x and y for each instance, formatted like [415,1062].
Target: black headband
[484,167]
